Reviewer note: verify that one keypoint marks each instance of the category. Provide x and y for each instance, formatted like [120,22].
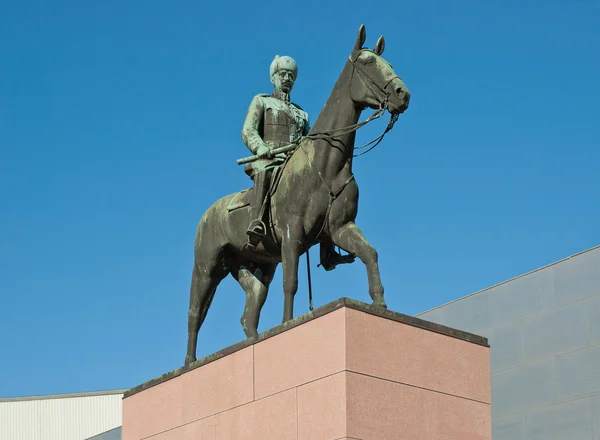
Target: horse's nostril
[399,90]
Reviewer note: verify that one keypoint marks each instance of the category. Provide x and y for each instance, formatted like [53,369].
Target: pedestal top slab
[300,320]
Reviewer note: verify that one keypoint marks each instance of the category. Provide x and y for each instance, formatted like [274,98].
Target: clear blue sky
[120,124]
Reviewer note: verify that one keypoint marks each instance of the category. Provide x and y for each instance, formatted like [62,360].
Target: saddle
[249,170]
[244,198]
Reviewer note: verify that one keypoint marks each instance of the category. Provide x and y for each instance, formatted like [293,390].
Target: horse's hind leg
[255,280]
[206,276]
[351,238]
[290,252]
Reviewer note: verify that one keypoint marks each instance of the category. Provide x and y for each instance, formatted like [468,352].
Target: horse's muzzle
[399,97]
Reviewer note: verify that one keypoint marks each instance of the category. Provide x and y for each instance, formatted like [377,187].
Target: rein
[332,134]
[329,135]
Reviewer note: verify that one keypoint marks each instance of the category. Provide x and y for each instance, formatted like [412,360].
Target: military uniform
[274,122]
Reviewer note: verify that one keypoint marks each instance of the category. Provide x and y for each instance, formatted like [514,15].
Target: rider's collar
[281,96]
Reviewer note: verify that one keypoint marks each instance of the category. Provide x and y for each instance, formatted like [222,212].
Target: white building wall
[60,417]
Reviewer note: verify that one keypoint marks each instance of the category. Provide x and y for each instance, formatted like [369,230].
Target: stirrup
[256,231]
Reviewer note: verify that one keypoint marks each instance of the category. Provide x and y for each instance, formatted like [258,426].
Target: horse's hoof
[250,332]
[380,304]
[189,359]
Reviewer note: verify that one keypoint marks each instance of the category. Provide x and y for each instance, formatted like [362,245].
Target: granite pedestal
[345,371]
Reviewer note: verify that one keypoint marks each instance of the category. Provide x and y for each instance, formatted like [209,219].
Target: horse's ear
[360,38]
[380,46]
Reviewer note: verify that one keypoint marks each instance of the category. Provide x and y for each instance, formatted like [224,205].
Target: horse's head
[374,82]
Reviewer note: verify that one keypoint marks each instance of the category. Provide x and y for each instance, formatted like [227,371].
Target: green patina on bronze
[304,196]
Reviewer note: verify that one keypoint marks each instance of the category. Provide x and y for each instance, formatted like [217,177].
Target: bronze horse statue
[314,199]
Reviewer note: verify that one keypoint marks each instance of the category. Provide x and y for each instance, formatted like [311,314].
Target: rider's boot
[257,229]
[330,258]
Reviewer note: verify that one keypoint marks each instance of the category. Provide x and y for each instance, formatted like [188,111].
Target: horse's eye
[369,61]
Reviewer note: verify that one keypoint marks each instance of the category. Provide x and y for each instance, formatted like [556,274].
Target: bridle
[369,83]
[383,106]
[383,101]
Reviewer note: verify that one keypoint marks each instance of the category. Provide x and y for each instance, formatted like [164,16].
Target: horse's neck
[334,155]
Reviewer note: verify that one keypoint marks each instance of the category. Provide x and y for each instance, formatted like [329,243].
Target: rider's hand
[263,149]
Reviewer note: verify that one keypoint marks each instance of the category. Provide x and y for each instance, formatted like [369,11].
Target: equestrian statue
[304,191]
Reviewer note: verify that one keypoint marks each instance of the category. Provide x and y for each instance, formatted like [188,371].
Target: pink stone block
[273,417]
[300,355]
[322,408]
[414,356]
[199,430]
[384,410]
[155,410]
[217,386]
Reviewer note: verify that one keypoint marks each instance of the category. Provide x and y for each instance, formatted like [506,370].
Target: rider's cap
[285,62]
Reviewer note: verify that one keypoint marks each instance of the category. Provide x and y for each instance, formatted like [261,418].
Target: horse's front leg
[290,257]
[351,238]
